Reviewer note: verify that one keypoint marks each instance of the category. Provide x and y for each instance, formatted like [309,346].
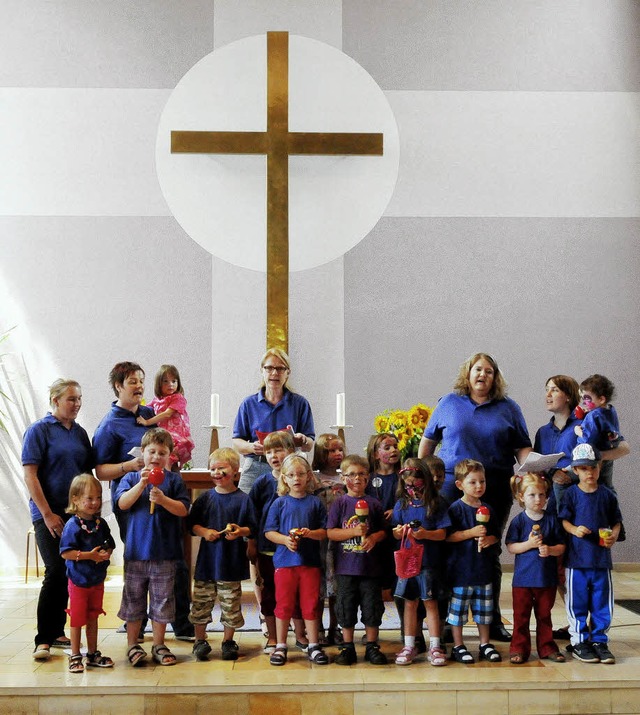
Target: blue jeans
[54,595]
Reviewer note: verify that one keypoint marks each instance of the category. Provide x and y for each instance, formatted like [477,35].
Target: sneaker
[346,655]
[603,652]
[201,650]
[374,655]
[585,653]
[229,650]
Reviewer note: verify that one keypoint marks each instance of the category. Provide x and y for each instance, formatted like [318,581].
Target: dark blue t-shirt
[532,570]
[222,560]
[86,573]
[433,550]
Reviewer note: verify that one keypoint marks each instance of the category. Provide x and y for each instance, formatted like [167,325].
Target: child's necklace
[85,527]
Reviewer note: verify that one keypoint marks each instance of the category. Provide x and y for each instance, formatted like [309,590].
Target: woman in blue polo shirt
[55,449]
[274,407]
[478,421]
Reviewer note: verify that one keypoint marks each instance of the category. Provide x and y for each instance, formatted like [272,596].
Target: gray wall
[513,228]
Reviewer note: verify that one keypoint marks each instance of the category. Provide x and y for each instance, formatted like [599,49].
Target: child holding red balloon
[471,536]
[156,501]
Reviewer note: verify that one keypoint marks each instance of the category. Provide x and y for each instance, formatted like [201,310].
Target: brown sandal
[162,655]
[517,659]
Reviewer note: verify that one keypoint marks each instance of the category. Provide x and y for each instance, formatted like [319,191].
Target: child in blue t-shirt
[296,523]
[86,545]
[153,545]
[421,512]
[472,534]
[536,538]
[591,516]
[222,517]
[600,426]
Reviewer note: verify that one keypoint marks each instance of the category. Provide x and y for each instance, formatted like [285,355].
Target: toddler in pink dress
[170,407]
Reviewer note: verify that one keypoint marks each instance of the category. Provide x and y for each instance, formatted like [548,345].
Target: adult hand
[55,525]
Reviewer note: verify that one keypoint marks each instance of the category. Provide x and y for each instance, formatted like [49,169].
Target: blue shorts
[480,598]
[422,586]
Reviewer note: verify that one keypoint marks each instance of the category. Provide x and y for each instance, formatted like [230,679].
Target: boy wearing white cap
[591,516]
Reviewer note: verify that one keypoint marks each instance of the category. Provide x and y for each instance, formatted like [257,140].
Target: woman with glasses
[274,407]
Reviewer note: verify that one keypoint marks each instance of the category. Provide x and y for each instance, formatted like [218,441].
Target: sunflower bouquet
[406,425]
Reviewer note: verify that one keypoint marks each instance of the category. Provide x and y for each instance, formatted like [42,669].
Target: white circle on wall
[220,200]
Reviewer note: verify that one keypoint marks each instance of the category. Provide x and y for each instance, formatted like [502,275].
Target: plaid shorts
[205,593]
[480,598]
[154,579]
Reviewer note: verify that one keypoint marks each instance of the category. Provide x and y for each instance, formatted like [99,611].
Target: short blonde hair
[281,438]
[225,454]
[59,387]
[462,386]
[79,486]
[283,487]
[356,459]
[464,468]
[519,484]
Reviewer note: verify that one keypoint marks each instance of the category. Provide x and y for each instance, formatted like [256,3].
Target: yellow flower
[419,416]
[398,419]
[381,423]
[402,444]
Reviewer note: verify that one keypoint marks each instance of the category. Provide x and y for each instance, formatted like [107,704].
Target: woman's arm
[247,448]
[156,418]
[54,523]
[622,450]
[108,472]
[426,447]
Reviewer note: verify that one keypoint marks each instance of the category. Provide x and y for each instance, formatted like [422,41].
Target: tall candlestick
[340,409]
[215,409]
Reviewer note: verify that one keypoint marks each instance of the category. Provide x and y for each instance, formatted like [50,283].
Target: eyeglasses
[275,368]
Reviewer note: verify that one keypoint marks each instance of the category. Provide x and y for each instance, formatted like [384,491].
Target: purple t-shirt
[350,558]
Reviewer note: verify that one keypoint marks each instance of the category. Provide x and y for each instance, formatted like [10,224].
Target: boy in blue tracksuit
[591,516]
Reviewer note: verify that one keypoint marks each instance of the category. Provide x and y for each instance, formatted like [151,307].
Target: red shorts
[85,604]
[297,583]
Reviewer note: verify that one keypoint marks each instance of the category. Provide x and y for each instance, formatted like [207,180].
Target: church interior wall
[513,228]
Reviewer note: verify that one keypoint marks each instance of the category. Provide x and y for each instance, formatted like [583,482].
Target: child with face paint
[420,509]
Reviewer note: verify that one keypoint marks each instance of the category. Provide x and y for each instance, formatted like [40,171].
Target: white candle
[215,409]
[340,410]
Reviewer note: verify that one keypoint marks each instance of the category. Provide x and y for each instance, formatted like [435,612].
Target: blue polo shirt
[257,413]
[550,440]
[116,435]
[490,433]
[157,536]
[60,454]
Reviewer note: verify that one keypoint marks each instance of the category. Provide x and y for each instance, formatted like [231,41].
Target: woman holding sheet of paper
[274,407]
[478,421]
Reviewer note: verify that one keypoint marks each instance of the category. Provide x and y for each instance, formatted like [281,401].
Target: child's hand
[543,550]
[211,535]
[233,532]
[582,531]
[479,531]
[291,544]
[534,541]
[578,430]
[482,542]
[144,476]
[141,421]
[360,529]
[368,543]
[157,496]
[388,514]
[303,532]
[99,554]
[608,541]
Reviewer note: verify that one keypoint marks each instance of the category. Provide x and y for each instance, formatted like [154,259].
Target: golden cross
[277,143]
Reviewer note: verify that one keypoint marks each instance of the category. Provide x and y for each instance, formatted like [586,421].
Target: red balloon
[156,476]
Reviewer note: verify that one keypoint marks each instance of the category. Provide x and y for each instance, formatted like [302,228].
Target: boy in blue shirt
[153,546]
[222,562]
[470,561]
[591,516]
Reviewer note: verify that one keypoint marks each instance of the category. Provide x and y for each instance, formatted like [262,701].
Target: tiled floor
[252,685]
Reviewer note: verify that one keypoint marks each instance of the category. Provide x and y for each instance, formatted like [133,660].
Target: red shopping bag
[408,557]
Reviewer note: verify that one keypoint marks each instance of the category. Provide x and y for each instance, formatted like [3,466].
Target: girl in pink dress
[170,407]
